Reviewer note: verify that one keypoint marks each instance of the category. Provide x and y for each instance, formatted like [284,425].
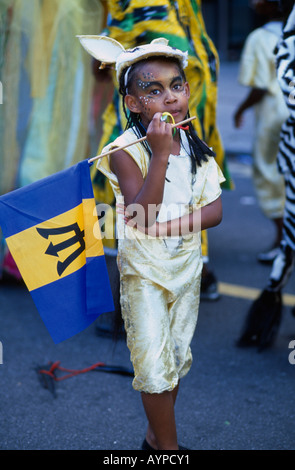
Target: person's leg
[279,223]
[159,409]
[150,435]
[147,324]
[284,262]
[268,257]
[269,186]
[183,313]
[209,284]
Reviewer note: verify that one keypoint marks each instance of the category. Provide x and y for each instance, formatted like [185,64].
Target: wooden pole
[136,141]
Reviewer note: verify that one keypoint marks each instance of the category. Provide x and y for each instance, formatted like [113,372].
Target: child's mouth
[175,114]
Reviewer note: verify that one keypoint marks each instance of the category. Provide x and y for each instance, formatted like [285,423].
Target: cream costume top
[183,192]
[258,70]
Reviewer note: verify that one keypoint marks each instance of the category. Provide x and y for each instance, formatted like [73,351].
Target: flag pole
[136,141]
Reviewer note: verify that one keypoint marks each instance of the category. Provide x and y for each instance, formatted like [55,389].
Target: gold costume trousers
[160,304]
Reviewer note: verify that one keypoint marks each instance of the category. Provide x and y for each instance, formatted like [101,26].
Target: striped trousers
[284,262]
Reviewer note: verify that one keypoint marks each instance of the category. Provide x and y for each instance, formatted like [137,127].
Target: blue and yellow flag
[52,231]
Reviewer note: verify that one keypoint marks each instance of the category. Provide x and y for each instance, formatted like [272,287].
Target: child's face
[158,86]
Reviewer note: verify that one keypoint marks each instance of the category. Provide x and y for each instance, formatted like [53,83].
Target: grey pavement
[232,399]
[230,94]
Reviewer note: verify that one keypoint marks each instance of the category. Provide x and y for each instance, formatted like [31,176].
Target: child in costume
[172,182]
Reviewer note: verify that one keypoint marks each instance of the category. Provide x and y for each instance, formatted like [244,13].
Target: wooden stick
[136,141]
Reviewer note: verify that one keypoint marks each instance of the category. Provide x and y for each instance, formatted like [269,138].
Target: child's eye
[154,92]
[177,86]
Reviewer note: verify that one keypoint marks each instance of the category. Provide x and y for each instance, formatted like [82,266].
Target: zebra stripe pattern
[285,63]
[285,60]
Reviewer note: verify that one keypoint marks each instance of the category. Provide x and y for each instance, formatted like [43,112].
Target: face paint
[159,86]
[145,82]
[145,102]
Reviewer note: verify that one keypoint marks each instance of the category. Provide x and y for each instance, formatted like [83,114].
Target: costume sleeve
[212,180]
[257,65]
[136,151]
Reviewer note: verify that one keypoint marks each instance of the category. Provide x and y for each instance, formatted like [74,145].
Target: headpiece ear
[110,51]
[162,41]
[102,48]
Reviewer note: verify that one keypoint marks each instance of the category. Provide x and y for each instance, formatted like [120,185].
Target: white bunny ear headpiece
[109,51]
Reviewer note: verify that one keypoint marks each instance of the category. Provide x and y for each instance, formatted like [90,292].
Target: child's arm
[255,95]
[200,219]
[148,191]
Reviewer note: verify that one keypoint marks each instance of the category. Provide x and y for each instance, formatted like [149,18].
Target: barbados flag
[52,231]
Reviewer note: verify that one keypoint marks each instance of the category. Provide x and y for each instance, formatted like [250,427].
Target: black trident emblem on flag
[53,250]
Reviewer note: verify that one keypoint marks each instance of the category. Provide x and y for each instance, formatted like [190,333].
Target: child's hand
[129,220]
[238,119]
[159,137]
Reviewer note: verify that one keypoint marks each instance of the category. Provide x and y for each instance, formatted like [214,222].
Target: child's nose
[170,96]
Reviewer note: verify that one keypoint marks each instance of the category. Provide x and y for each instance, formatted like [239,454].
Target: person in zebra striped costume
[264,317]
[284,262]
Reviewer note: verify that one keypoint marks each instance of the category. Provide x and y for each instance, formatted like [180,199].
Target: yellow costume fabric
[47,87]
[160,277]
[137,22]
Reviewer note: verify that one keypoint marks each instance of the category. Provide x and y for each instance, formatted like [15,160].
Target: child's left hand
[131,221]
[128,219]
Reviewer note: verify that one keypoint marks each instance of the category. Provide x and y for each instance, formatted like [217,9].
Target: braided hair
[199,151]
